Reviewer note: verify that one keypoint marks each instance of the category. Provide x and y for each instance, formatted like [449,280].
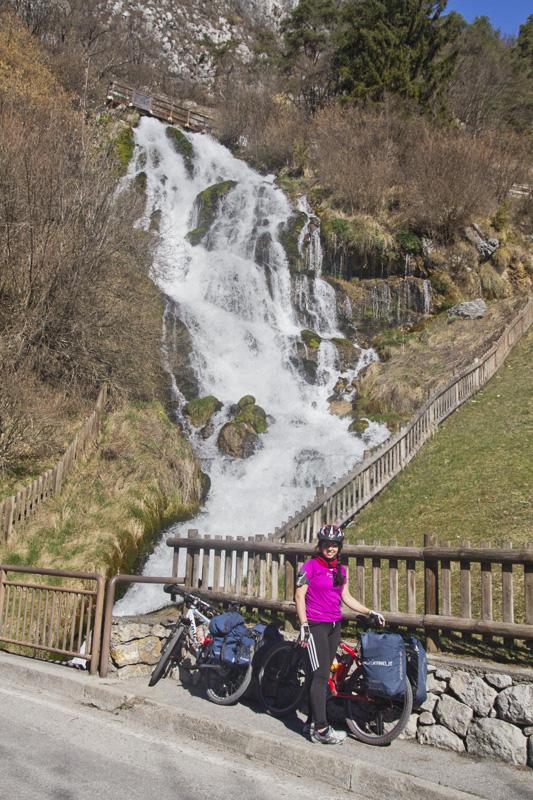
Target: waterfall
[243,320]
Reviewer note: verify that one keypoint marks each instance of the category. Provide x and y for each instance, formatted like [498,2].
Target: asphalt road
[62,751]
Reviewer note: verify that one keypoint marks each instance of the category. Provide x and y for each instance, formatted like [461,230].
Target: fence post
[2,591]
[431,591]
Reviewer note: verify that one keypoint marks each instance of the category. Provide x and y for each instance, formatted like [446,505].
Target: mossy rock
[253,415]
[349,353]
[124,147]
[359,426]
[289,234]
[237,439]
[139,182]
[311,339]
[247,400]
[183,147]
[208,204]
[200,410]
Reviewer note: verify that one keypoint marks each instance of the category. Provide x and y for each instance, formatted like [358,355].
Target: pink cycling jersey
[323,599]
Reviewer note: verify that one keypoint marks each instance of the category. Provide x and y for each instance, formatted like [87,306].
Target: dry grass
[143,476]
[419,361]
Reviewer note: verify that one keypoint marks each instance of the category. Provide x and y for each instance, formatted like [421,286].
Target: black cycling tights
[323,644]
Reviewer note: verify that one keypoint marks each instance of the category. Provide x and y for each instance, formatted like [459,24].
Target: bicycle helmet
[331,533]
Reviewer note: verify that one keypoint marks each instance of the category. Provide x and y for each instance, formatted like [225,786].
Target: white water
[244,328]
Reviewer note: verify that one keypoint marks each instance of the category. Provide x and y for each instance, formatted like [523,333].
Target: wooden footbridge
[159,106]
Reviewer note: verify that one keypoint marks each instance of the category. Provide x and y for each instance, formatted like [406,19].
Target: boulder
[494,738]
[207,205]
[348,354]
[515,704]
[454,715]
[129,631]
[289,237]
[473,691]
[470,309]
[429,703]
[435,686]
[409,732]
[182,146]
[426,718]
[485,245]
[239,441]
[443,674]
[439,736]
[200,410]
[498,681]
[133,671]
[139,651]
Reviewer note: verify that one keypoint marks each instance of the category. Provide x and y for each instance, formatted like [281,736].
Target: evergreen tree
[524,45]
[395,46]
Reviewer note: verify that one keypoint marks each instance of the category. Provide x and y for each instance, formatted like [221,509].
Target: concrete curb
[327,765]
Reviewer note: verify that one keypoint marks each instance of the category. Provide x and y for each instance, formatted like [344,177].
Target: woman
[320,589]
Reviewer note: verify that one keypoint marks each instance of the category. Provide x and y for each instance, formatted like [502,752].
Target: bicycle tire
[225,686]
[163,666]
[378,721]
[283,679]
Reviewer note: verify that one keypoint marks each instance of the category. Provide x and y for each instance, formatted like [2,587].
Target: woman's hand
[305,633]
[375,618]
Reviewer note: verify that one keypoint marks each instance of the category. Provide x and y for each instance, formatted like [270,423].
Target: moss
[140,182]
[501,259]
[247,400]
[200,411]
[183,147]
[311,339]
[445,291]
[207,204]
[289,234]
[124,147]
[252,415]
[409,242]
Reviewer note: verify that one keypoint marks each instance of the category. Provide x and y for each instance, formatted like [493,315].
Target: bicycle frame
[192,615]
[340,673]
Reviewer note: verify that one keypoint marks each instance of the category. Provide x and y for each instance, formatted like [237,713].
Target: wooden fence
[15,510]
[481,590]
[342,501]
[160,107]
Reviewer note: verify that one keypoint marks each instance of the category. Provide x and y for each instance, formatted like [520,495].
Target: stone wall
[472,707]
[479,708]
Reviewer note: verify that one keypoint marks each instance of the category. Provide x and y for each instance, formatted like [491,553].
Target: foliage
[124,146]
[397,47]
[409,242]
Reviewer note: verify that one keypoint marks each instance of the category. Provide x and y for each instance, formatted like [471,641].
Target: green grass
[473,480]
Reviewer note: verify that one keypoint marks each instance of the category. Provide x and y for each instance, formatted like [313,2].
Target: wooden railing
[65,620]
[160,107]
[15,510]
[342,501]
[435,587]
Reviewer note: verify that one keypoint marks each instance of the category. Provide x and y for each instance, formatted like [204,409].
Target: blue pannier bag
[222,624]
[417,669]
[384,663]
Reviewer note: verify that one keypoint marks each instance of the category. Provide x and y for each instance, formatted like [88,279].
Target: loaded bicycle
[284,681]
[226,665]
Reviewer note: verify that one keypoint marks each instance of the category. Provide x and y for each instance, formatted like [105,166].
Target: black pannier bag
[417,669]
[384,663]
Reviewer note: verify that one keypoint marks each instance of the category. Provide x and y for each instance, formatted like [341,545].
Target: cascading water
[244,322]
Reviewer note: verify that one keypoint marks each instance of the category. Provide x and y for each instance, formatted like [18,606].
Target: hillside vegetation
[473,480]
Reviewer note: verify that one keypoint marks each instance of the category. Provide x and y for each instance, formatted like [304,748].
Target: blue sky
[507,15]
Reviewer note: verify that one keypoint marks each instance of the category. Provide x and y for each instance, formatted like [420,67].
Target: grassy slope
[473,480]
[143,476]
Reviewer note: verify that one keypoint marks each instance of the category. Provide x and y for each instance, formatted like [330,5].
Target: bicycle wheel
[283,679]
[169,654]
[228,683]
[376,720]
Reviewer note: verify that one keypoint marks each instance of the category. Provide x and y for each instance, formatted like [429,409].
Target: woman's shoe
[329,736]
